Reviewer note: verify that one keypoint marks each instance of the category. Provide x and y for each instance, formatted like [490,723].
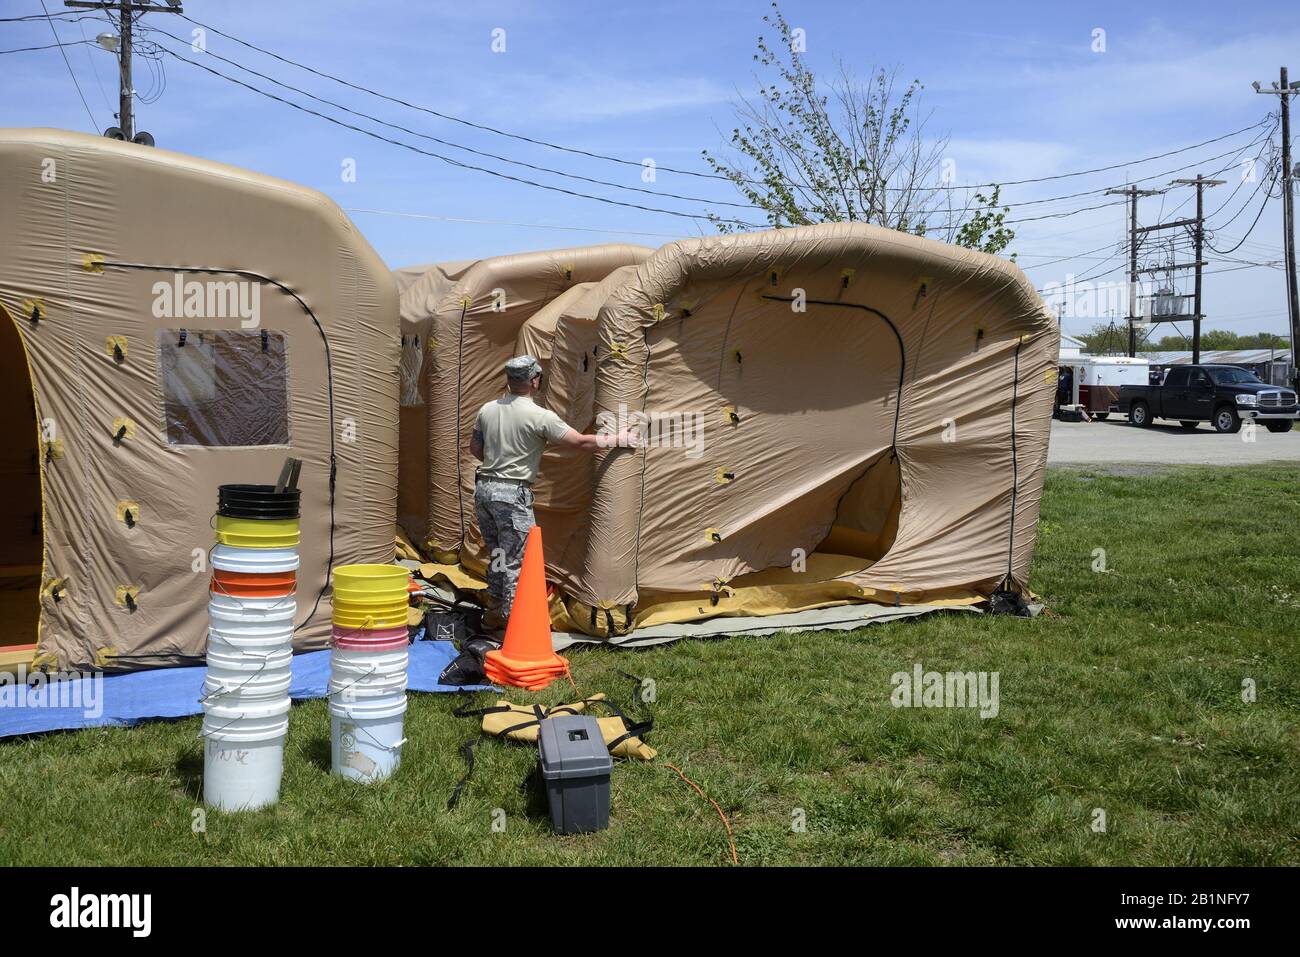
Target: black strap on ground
[329,384]
[540,714]
[467,752]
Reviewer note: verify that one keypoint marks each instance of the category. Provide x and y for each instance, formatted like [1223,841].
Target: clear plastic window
[224,388]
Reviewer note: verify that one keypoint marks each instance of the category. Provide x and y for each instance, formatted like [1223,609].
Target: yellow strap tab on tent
[53,449]
[33,309]
[127,596]
[659,312]
[466,301]
[618,349]
[433,344]
[1049,376]
[92,262]
[724,477]
[443,556]
[46,660]
[719,590]
[731,415]
[712,535]
[846,277]
[55,588]
[104,656]
[121,423]
[125,506]
[568,270]
[115,344]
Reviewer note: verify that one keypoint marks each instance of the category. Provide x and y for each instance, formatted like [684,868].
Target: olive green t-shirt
[515,430]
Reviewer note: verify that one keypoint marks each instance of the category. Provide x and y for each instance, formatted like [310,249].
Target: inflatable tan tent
[170,325]
[833,414]
[460,323]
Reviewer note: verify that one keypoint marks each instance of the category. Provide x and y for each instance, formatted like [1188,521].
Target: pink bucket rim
[371,639]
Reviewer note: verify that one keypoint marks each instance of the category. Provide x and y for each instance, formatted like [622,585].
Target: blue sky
[1017,88]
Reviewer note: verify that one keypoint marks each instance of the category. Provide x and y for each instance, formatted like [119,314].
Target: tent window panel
[224,388]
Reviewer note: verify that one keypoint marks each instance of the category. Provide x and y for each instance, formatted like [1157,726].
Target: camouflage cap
[522,368]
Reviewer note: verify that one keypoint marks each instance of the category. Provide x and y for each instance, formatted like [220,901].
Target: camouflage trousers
[505,516]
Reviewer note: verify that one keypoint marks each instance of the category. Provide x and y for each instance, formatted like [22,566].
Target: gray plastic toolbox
[575,767]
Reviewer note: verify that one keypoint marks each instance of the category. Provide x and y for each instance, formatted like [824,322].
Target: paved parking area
[1117,441]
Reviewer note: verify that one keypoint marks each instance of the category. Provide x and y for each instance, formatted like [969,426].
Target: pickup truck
[1221,395]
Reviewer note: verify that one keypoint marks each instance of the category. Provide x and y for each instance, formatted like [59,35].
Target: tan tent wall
[82,212]
[565,332]
[433,284]
[703,329]
[472,323]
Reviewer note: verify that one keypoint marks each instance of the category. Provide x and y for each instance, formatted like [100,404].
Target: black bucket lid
[257,494]
[257,501]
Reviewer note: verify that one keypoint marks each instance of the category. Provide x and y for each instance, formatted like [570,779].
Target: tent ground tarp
[128,699]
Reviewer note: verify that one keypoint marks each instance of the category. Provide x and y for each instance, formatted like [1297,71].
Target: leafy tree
[848,151]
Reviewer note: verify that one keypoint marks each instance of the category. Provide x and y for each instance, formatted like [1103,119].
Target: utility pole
[1132,192]
[1199,236]
[1284,91]
[125,8]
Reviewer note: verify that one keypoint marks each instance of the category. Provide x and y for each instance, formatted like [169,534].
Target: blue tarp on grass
[175,692]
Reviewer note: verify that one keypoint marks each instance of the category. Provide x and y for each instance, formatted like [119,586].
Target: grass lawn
[1126,696]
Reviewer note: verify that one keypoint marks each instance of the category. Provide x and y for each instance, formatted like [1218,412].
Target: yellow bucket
[363,582]
[369,620]
[257,526]
[278,540]
[385,607]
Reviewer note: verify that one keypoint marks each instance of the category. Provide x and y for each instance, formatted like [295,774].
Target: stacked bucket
[367,691]
[251,615]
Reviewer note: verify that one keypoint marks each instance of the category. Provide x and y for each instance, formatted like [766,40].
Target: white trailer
[1095,381]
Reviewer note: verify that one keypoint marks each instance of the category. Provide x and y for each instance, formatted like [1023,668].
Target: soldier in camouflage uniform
[509,437]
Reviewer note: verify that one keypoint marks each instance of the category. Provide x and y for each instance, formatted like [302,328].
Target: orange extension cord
[725,823]
[731,841]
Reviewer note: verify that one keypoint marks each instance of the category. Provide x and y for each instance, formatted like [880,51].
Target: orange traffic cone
[527,658]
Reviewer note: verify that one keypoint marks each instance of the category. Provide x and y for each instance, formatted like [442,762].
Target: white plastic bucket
[366,737]
[345,662]
[243,763]
[252,718]
[257,561]
[228,659]
[252,688]
[250,641]
[351,688]
[251,611]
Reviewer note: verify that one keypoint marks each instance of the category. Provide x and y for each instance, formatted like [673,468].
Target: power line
[68,64]
[458,146]
[47,46]
[447,159]
[624,186]
[498,173]
[685,172]
[502,222]
[1258,215]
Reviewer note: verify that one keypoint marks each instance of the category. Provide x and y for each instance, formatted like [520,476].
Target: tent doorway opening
[22,543]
